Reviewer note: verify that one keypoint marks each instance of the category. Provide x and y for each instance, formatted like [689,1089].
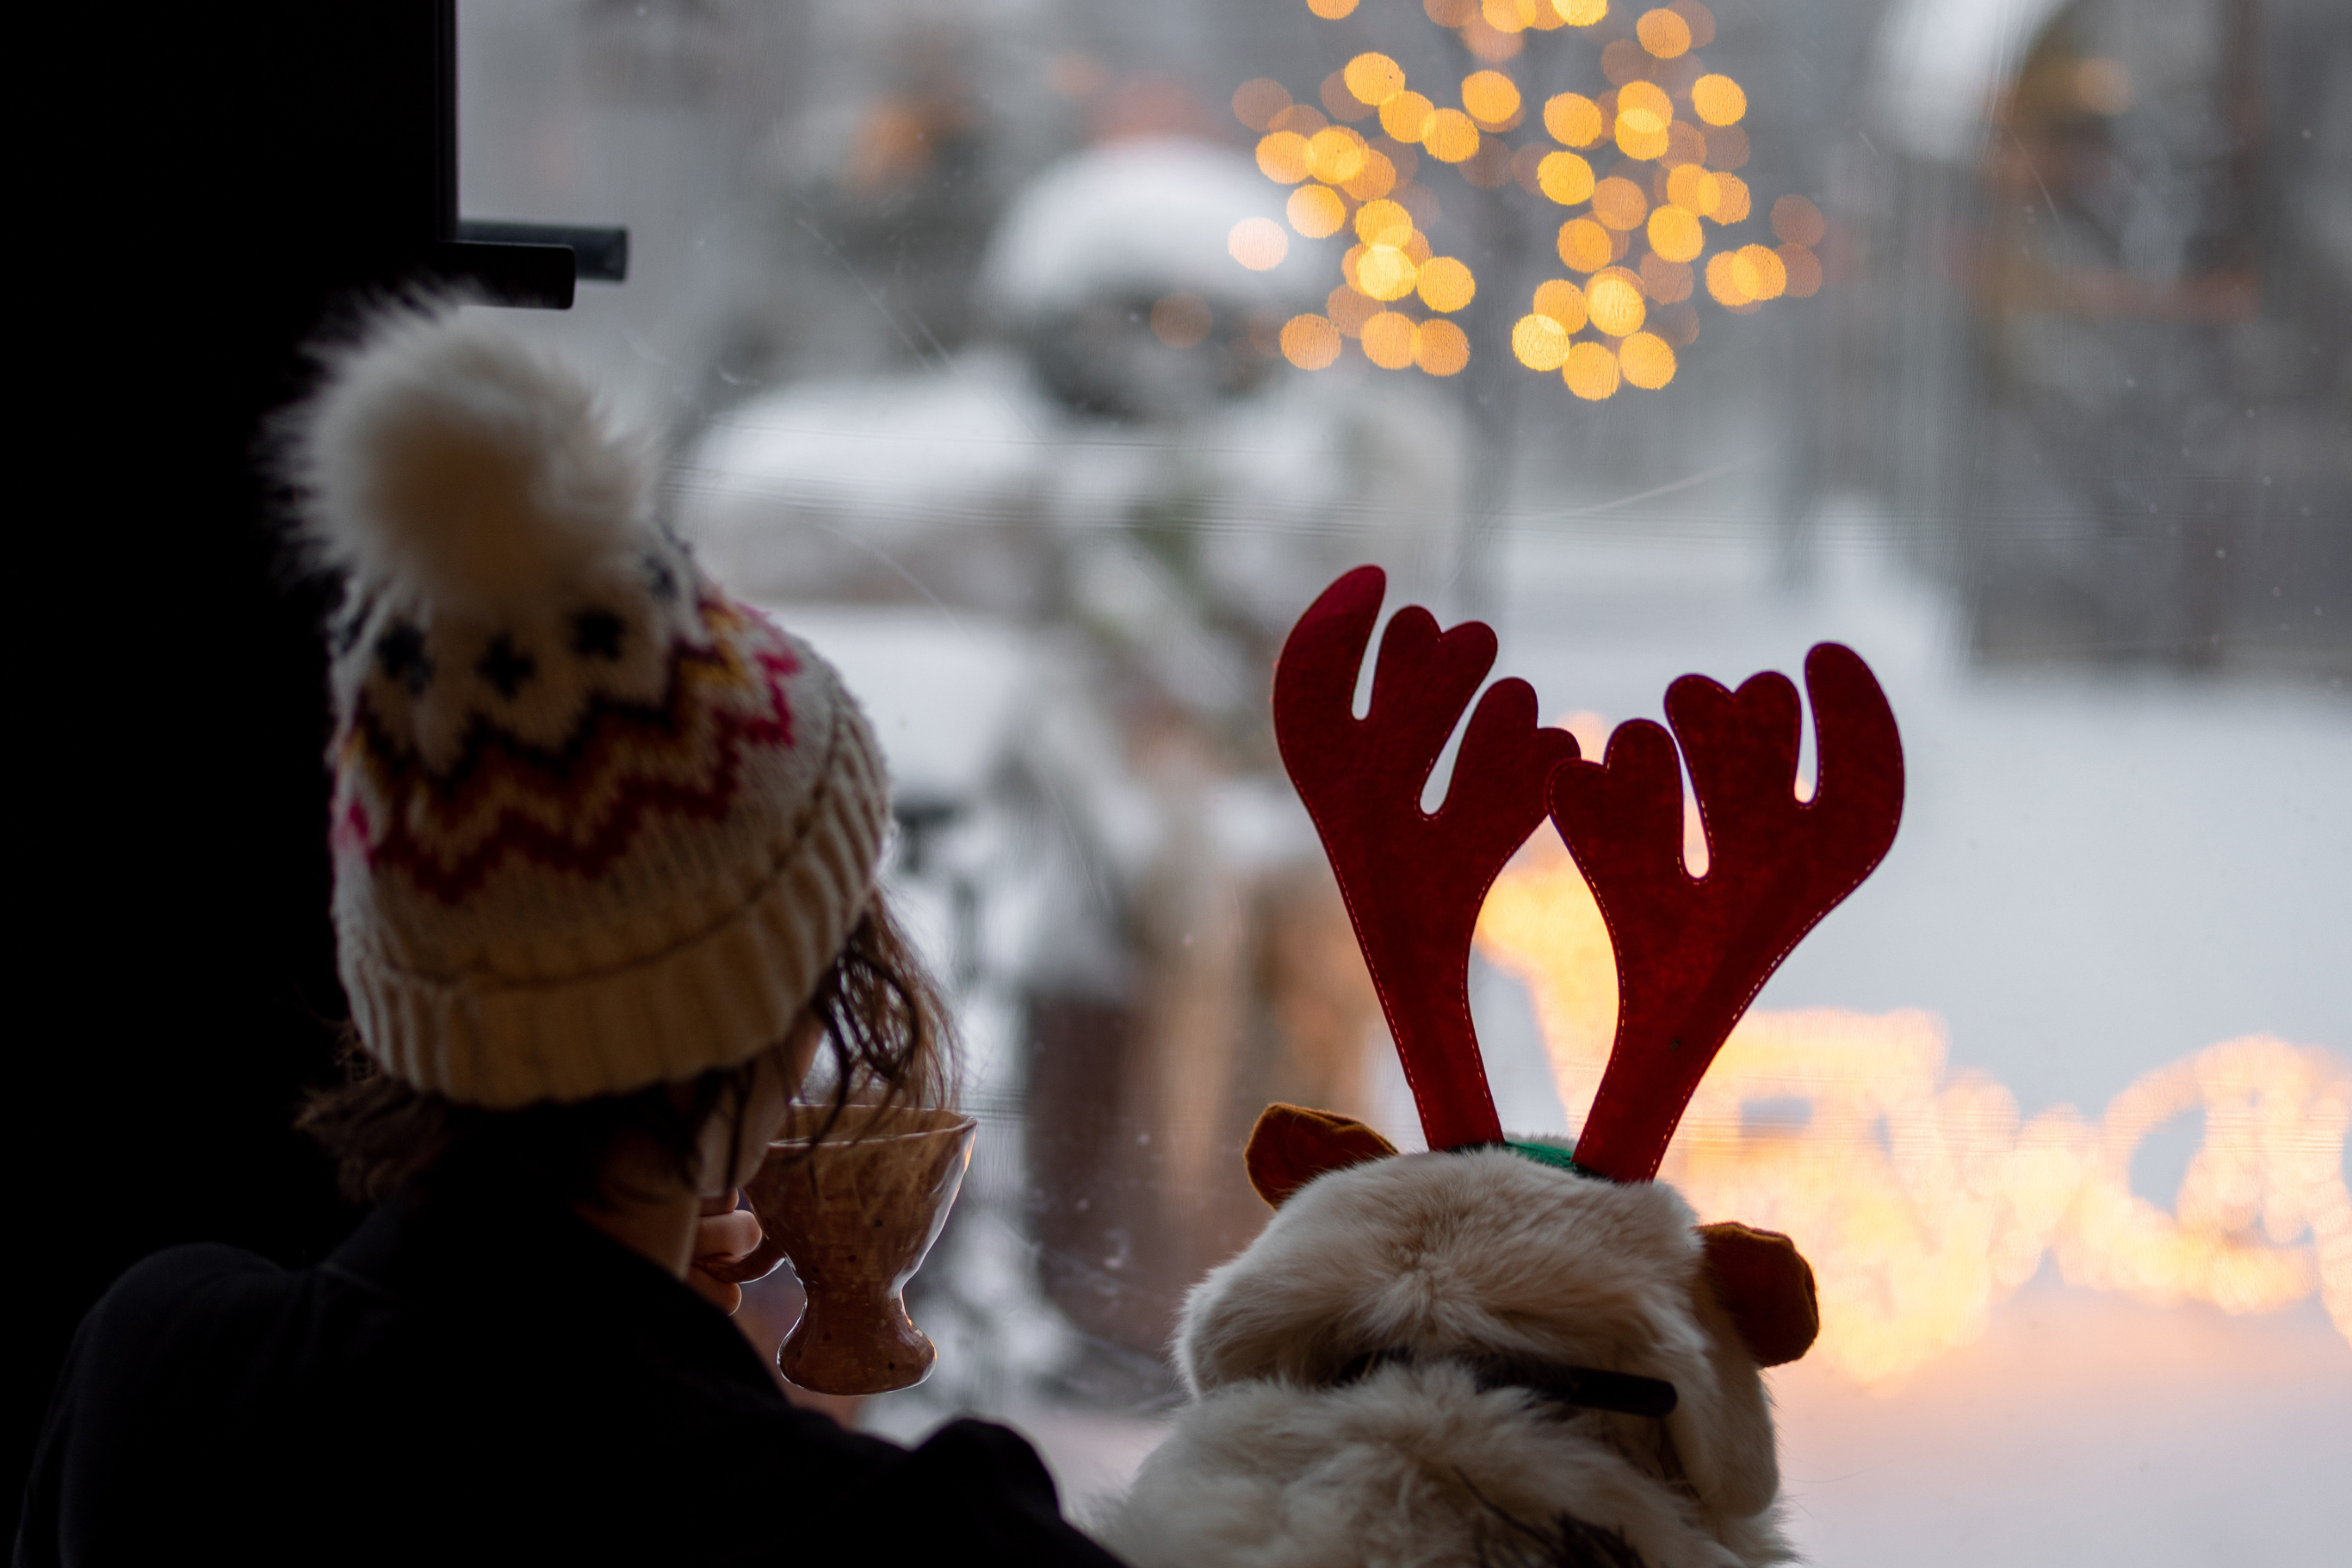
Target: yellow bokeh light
[1614,299]
[1445,284]
[1674,233]
[1804,270]
[1316,211]
[1406,116]
[1491,97]
[1310,343]
[1383,223]
[1563,301]
[1573,119]
[1303,118]
[1565,178]
[1591,372]
[1335,155]
[1665,35]
[1282,157]
[1504,15]
[1731,199]
[1373,79]
[1331,10]
[1581,13]
[1450,12]
[1619,203]
[1441,348]
[1719,100]
[1640,133]
[1377,178]
[1584,245]
[1723,279]
[1760,272]
[1539,342]
[1257,101]
[1450,136]
[1646,360]
[1416,248]
[1646,95]
[1388,340]
[1258,244]
[1921,1196]
[1692,188]
[1700,19]
[1347,264]
[1797,221]
[1386,272]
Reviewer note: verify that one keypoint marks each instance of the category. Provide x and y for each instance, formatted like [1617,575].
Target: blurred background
[1040,359]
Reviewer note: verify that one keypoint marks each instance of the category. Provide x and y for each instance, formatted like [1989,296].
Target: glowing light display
[1651,228]
[1921,1196]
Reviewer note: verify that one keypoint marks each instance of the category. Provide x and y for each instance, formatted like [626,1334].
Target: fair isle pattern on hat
[595,826]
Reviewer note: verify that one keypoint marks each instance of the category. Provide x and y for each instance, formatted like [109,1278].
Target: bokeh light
[1258,100]
[1331,10]
[1563,301]
[1316,211]
[1258,244]
[1797,221]
[1181,320]
[1383,223]
[1726,147]
[1450,12]
[1335,155]
[1539,342]
[1591,371]
[1685,143]
[1445,284]
[1640,133]
[1718,100]
[1377,178]
[1565,178]
[1282,157]
[1388,340]
[1441,348]
[1373,79]
[1491,98]
[1723,281]
[1645,95]
[1693,189]
[1759,272]
[1619,203]
[1614,299]
[1386,273]
[1581,13]
[1674,233]
[1731,199]
[1676,324]
[1584,245]
[2103,86]
[1303,118]
[1449,136]
[1646,360]
[1504,15]
[1310,343]
[1573,119]
[1698,19]
[1665,35]
[1406,116]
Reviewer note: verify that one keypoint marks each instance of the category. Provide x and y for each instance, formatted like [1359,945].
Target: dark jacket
[479,1373]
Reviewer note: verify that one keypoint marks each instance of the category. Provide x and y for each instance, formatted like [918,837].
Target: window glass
[1041,360]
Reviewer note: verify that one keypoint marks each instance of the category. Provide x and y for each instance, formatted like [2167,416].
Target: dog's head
[1489,1255]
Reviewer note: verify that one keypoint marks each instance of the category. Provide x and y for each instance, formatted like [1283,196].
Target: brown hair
[885,1033]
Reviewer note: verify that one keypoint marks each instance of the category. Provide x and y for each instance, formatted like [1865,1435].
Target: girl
[605,847]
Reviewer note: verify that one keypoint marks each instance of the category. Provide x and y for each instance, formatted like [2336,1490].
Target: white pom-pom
[446,459]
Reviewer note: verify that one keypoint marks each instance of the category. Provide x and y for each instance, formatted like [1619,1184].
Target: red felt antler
[1693,951]
[1413,881]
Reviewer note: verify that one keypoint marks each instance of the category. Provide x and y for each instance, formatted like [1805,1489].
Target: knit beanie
[595,825]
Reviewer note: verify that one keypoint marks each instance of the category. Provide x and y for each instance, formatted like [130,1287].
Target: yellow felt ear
[1291,1145]
[1767,1286]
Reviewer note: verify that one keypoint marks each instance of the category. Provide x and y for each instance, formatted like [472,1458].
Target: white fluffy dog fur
[1486,1255]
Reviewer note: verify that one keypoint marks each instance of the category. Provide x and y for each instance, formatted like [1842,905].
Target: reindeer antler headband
[1691,951]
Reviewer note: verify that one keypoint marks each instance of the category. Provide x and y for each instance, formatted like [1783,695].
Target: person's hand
[722,1235]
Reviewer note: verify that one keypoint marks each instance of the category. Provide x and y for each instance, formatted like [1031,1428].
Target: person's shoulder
[174,1278]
